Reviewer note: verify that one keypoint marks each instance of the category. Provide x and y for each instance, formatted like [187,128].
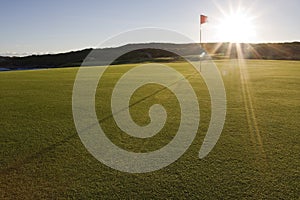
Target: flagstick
[200,35]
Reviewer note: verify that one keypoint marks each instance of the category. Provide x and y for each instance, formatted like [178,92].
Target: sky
[40,26]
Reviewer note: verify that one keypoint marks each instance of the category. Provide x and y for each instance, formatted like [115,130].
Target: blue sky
[40,26]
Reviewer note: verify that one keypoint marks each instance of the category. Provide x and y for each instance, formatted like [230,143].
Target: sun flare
[236,28]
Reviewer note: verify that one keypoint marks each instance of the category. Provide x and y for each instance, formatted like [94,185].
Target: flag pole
[203,19]
[200,37]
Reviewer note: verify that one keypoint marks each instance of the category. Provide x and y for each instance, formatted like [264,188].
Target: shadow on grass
[19,164]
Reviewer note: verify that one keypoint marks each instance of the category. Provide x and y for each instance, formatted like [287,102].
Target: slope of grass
[257,155]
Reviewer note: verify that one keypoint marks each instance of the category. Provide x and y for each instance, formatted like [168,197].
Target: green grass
[256,157]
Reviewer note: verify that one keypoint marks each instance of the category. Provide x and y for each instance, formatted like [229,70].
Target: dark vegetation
[155,52]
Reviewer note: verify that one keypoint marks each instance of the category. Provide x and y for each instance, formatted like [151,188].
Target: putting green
[257,155]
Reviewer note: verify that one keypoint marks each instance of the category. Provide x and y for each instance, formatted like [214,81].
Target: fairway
[256,157]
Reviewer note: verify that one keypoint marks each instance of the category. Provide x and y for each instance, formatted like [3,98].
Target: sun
[236,28]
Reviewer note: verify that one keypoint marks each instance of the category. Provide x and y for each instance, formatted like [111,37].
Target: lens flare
[236,27]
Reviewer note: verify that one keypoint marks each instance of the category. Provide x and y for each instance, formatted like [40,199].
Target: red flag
[203,19]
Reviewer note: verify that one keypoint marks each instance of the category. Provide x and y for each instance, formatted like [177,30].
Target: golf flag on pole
[203,19]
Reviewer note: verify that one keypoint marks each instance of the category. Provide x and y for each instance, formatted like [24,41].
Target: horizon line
[15,54]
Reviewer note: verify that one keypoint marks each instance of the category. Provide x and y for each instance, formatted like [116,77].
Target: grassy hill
[156,52]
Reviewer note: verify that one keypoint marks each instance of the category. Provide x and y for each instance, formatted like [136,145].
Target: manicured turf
[256,157]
